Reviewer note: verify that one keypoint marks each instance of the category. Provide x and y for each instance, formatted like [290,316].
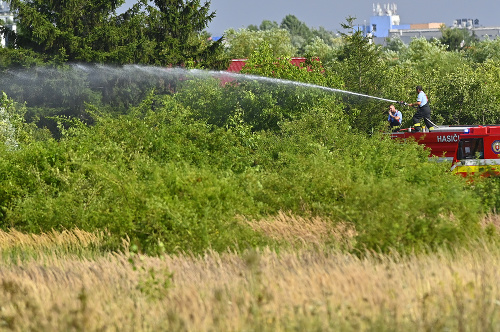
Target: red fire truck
[469,149]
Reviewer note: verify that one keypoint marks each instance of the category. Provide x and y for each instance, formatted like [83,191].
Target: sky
[329,14]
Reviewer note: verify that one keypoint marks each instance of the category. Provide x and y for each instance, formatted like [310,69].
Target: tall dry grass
[68,238]
[304,232]
[491,220]
[302,289]
[16,246]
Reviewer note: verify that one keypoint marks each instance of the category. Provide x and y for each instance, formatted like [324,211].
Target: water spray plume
[57,87]
[290,82]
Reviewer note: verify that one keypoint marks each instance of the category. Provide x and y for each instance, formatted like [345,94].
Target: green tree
[456,39]
[11,58]
[430,58]
[359,61]
[253,27]
[395,44]
[329,37]
[481,51]
[296,27]
[300,32]
[244,42]
[175,26]
[318,48]
[469,95]
[70,30]
[165,32]
[457,96]
[268,25]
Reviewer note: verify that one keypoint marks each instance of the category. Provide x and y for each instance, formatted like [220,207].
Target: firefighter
[423,111]
[395,118]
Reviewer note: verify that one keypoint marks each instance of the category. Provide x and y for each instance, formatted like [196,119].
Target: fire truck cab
[478,151]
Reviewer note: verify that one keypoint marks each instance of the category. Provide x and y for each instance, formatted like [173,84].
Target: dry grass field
[61,282]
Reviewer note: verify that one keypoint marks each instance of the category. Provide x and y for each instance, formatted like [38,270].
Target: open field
[61,282]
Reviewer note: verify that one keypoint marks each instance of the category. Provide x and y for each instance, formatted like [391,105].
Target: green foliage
[8,123]
[244,42]
[488,189]
[257,103]
[487,109]
[395,44]
[418,214]
[253,105]
[174,179]
[460,97]
[174,27]
[487,49]
[157,190]
[296,27]
[71,28]
[331,38]
[162,33]
[430,57]
[14,131]
[15,58]
[358,62]
[318,48]
[268,25]
[300,32]
[263,62]
[457,39]
[304,40]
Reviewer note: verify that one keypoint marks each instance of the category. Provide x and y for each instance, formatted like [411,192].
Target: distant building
[6,19]
[383,20]
[385,23]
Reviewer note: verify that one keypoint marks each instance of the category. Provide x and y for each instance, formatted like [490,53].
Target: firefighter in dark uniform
[423,111]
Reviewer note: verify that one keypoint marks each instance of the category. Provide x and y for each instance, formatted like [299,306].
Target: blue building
[385,24]
[384,19]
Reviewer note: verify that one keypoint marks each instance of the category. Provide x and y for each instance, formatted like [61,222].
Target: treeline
[160,32]
[301,40]
[462,83]
[460,78]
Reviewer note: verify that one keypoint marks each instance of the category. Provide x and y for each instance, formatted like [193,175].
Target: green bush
[488,190]
[396,198]
[173,180]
